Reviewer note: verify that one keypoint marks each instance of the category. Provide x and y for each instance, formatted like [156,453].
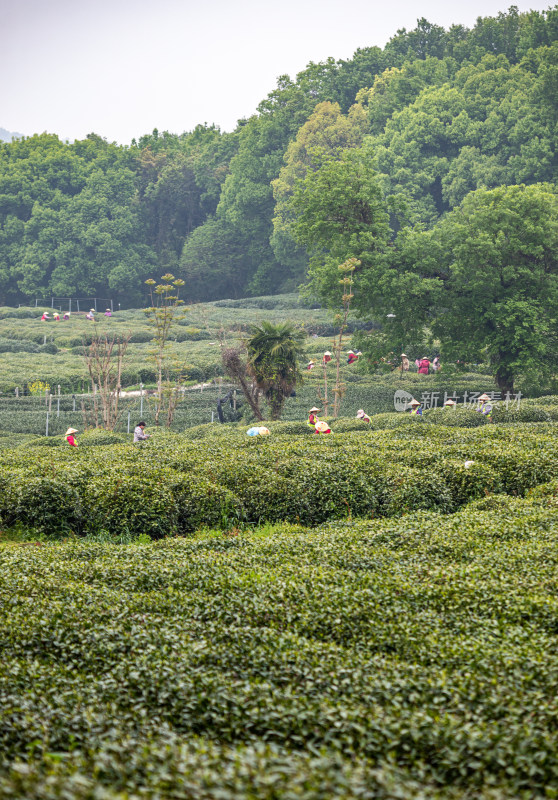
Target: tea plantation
[353,616]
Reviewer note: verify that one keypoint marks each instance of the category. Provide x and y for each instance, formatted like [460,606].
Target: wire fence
[52,414]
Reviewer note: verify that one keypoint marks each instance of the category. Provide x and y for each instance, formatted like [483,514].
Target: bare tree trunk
[237,370]
[104,359]
[325,401]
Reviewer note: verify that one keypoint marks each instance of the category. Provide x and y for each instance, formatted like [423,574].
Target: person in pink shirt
[70,437]
[424,365]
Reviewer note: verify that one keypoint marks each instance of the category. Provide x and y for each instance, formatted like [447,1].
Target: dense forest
[390,144]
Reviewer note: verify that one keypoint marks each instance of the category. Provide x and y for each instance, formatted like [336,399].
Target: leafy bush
[18,346]
[47,504]
[525,413]
[7,312]
[97,437]
[409,657]
[455,417]
[214,473]
[49,347]
[123,504]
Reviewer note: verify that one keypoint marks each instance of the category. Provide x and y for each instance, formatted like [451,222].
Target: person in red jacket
[424,365]
[313,417]
[70,437]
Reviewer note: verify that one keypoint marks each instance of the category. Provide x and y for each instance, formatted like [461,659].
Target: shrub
[525,413]
[49,505]
[455,417]
[18,346]
[407,489]
[200,502]
[386,658]
[98,437]
[127,504]
[49,347]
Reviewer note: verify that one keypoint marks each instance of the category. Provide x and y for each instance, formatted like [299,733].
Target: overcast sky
[121,68]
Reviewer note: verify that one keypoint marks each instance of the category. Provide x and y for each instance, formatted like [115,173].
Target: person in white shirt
[139,432]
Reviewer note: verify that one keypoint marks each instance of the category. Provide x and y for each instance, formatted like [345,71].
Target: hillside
[438,113]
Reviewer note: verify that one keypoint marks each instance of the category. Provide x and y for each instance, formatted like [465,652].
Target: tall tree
[327,130]
[339,212]
[485,281]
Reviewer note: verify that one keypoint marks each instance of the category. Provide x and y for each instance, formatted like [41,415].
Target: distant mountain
[7,136]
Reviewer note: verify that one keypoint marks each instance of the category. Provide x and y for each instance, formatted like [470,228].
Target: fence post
[212,414]
[46,397]
[49,402]
[74,402]
[46,432]
[58,406]
[17,391]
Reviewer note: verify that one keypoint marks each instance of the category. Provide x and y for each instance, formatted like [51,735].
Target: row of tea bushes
[395,658]
[217,476]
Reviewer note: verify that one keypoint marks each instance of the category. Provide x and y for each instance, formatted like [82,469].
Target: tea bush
[21,346]
[389,658]
[455,417]
[216,475]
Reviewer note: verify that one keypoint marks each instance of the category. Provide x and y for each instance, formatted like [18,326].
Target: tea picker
[70,437]
[416,408]
[257,431]
[313,416]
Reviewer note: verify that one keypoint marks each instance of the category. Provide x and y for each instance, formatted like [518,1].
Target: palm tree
[273,353]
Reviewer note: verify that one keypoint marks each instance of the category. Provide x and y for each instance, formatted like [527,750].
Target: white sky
[121,68]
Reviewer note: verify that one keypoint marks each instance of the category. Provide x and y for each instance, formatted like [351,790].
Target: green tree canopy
[339,212]
[326,131]
[484,280]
